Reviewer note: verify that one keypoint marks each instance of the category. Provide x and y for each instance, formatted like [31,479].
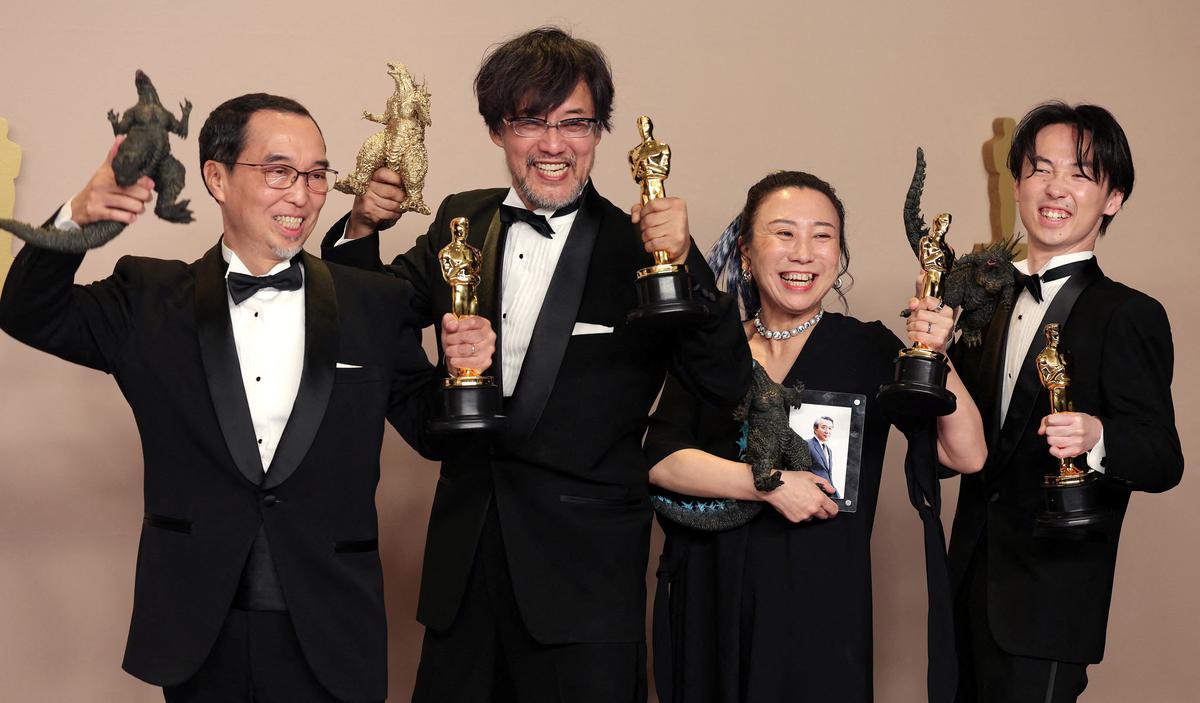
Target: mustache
[568,159]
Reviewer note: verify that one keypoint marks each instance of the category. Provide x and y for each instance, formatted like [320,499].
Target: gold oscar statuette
[1053,372]
[1072,497]
[470,401]
[664,289]
[919,387]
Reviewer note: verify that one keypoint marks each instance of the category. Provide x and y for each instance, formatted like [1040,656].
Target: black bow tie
[1033,283]
[510,214]
[242,286]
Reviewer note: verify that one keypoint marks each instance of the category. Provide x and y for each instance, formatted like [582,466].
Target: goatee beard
[286,253]
[540,202]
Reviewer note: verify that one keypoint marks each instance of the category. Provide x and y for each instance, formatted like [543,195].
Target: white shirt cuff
[63,221]
[1095,457]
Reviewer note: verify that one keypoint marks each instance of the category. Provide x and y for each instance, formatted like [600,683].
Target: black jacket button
[269,500]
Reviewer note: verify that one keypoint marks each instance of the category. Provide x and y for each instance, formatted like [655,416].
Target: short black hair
[223,135]
[1100,143]
[535,72]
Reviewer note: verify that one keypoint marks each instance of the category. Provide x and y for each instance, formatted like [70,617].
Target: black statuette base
[919,388]
[469,408]
[666,297]
[1072,506]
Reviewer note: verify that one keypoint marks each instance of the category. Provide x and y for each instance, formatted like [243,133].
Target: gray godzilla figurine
[978,282]
[770,445]
[146,151]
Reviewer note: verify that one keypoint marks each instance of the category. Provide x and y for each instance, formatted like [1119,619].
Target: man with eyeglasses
[260,378]
[533,586]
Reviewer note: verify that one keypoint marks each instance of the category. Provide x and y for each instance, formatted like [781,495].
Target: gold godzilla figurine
[401,144]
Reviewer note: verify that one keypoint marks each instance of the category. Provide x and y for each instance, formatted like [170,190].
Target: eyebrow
[276,158]
[786,221]
[1082,168]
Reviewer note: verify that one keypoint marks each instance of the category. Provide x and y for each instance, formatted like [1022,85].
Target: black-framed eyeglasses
[571,128]
[282,176]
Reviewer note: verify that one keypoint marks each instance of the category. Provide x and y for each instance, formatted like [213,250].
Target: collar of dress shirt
[1055,261]
[236,265]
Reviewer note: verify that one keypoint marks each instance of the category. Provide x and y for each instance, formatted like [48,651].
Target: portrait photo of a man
[822,454]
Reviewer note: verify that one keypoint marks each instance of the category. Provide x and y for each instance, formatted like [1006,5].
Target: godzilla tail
[90,237]
[914,223]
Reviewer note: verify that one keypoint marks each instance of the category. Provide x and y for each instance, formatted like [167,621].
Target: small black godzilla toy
[146,151]
[979,282]
[770,445]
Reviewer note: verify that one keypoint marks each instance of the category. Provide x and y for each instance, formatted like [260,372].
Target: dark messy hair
[223,135]
[725,258]
[537,71]
[1100,145]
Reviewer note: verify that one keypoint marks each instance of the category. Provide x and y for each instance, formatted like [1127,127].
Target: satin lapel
[489,287]
[1028,388]
[993,361]
[316,380]
[214,331]
[555,322]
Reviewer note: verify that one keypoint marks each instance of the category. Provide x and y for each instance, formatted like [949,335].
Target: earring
[746,275]
[837,285]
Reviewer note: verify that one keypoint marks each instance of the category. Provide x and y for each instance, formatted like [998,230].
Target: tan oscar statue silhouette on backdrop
[10,168]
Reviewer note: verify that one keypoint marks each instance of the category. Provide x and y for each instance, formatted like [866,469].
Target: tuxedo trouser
[987,673]
[256,659]
[488,656]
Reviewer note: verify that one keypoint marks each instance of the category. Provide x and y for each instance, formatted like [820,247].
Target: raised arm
[42,307]
[712,357]
[961,443]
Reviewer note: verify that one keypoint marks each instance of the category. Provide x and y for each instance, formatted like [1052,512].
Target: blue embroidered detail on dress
[696,506]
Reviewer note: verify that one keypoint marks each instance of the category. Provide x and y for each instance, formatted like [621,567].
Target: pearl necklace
[784,334]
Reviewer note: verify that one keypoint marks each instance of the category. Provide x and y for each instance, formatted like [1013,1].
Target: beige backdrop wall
[846,90]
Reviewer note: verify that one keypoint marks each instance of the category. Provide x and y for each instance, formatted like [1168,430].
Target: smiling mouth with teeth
[289,221]
[1055,214]
[551,169]
[797,277]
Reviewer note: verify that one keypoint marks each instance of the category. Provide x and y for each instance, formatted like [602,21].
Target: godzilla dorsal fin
[914,222]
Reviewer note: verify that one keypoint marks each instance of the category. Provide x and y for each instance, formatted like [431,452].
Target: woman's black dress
[773,611]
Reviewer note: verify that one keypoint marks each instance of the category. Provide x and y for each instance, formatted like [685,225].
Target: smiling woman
[783,255]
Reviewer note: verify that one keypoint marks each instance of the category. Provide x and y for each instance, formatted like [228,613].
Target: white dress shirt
[268,330]
[1026,323]
[529,263]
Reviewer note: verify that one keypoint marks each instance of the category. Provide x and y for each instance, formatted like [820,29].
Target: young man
[534,578]
[260,378]
[1032,608]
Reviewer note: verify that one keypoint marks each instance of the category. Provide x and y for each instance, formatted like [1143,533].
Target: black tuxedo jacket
[568,474]
[163,330]
[1048,596]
